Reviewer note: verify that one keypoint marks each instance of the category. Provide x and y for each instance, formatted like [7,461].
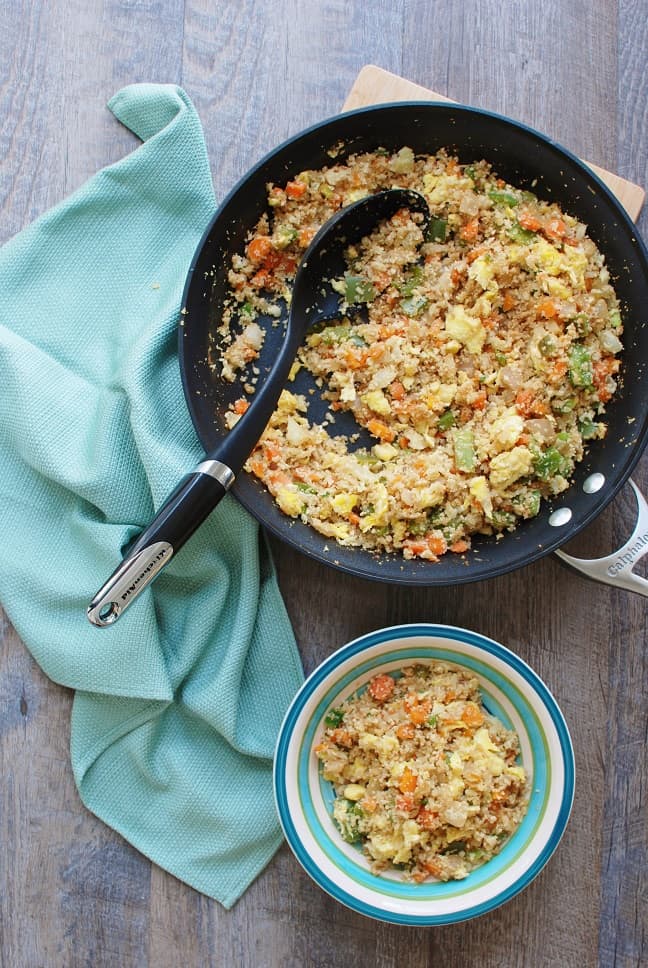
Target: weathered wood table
[72,892]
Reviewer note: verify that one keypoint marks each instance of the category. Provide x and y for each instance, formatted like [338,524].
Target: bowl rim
[487,648]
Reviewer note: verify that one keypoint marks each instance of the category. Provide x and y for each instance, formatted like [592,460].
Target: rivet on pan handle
[617,569]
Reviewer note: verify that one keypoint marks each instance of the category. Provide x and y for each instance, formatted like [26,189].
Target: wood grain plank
[624,889]
[259,73]
[71,892]
[376,86]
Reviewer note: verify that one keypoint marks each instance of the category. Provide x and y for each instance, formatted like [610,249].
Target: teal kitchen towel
[177,705]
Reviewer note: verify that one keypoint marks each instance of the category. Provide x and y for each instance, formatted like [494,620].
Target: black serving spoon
[313,301]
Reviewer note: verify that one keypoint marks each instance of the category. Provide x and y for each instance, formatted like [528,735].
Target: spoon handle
[192,501]
[182,513]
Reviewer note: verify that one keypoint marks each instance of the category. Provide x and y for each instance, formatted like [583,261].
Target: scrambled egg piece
[384,451]
[290,502]
[382,744]
[377,401]
[507,467]
[344,502]
[290,402]
[505,431]
[378,517]
[479,489]
[440,395]
[465,328]
[483,271]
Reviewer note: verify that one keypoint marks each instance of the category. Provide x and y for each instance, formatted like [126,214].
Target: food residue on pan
[480,365]
[425,779]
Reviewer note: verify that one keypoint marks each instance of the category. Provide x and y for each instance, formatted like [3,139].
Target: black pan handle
[181,514]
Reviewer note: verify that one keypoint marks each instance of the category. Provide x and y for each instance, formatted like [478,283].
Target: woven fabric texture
[177,705]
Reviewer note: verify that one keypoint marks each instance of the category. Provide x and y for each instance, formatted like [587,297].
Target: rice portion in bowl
[424,778]
[479,367]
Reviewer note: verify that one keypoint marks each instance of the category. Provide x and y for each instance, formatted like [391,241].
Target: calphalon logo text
[151,565]
[628,556]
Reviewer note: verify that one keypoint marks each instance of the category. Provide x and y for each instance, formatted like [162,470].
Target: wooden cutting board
[374,85]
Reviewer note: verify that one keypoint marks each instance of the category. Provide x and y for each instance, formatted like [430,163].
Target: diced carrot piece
[270,452]
[527,404]
[259,249]
[470,230]
[408,781]
[479,403]
[278,478]
[295,189]
[355,357]
[555,229]
[241,405]
[405,731]
[548,309]
[305,237]
[456,276]
[406,803]
[459,546]
[368,804]
[420,713]
[261,279]
[437,545]
[529,222]
[428,819]
[434,867]
[416,547]
[287,262]
[602,369]
[381,687]
[342,737]
[381,430]
[508,302]
[353,518]
[397,390]
[402,216]
[257,467]
[475,254]
[472,715]
[524,401]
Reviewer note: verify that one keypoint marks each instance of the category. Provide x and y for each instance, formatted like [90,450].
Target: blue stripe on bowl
[541,771]
[488,646]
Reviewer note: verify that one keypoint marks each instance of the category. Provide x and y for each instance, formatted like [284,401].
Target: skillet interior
[524,158]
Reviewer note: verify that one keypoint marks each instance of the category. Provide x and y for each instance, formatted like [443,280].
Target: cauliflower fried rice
[425,779]
[479,365]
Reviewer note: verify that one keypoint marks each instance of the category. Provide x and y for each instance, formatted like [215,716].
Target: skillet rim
[421,573]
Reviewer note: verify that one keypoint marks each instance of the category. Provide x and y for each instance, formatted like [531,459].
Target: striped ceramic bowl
[510,690]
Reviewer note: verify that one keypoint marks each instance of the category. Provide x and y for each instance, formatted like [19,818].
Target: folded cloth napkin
[177,705]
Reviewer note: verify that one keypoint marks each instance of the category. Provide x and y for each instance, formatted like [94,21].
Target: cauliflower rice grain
[425,779]
[480,368]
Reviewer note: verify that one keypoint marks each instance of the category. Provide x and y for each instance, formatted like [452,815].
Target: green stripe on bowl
[417,914]
[541,771]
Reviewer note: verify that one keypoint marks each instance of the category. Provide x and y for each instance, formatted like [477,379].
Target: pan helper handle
[183,512]
[617,568]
